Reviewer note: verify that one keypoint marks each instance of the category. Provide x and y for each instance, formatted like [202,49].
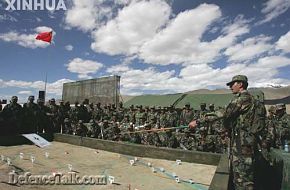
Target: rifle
[155,130]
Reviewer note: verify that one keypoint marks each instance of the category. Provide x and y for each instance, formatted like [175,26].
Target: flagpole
[45,85]
[46,37]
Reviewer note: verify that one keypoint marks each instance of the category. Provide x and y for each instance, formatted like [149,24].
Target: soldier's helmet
[126,115]
[238,78]
[66,120]
[92,121]
[152,107]
[211,105]
[52,100]
[187,104]
[80,121]
[61,101]
[132,106]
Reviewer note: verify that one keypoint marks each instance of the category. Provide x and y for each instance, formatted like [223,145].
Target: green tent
[179,100]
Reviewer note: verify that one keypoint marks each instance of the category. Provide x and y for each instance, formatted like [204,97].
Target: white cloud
[181,42]
[26,40]
[43,29]
[284,43]
[273,9]
[83,67]
[87,15]
[192,77]
[26,92]
[116,69]
[69,47]
[54,88]
[82,15]
[249,48]
[134,25]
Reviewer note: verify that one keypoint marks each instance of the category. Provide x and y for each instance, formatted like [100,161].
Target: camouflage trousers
[243,168]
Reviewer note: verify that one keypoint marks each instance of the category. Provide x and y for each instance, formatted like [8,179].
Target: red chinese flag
[45,36]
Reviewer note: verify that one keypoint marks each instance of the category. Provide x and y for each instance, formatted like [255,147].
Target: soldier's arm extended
[234,108]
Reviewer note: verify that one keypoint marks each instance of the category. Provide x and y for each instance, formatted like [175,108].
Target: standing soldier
[97,114]
[131,114]
[44,122]
[238,117]
[75,113]
[162,118]
[200,114]
[62,113]
[283,124]
[270,132]
[30,110]
[186,115]
[54,115]
[172,117]
[12,114]
[120,112]
[140,116]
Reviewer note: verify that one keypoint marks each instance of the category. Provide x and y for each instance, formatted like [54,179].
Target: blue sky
[155,46]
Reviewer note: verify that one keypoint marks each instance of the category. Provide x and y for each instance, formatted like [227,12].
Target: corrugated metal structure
[105,90]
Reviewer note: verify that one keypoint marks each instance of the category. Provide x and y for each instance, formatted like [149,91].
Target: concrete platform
[89,161]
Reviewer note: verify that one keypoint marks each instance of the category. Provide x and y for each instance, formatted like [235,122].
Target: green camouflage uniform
[282,125]
[237,118]
[243,143]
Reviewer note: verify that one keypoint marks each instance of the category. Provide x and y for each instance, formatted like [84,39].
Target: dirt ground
[87,161]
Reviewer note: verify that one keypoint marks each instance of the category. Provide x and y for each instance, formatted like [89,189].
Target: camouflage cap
[52,100]
[211,105]
[14,98]
[280,106]
[203,104]
[236,78]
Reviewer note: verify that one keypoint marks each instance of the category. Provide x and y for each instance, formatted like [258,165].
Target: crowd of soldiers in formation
[156,126]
